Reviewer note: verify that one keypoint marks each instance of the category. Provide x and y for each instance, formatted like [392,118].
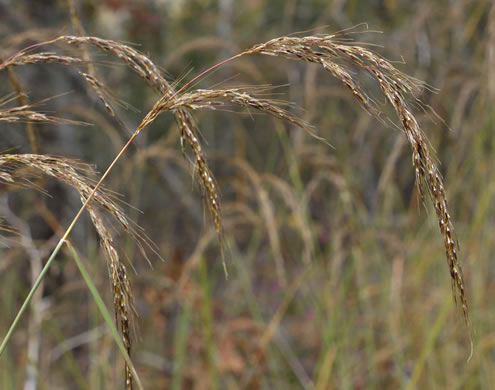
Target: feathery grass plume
[205,177]
[121,288]
[146,69]
[325,50]
[77,175]
[26,113]
[53,58]
[138,62]
[399,89]
[44,58]
[211,99]
[305,49]
[22,114]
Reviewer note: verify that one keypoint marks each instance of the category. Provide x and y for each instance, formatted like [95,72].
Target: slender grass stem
[105,313]
[59,246]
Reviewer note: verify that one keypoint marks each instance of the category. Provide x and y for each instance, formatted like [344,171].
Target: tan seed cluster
[333,53]
[76,175]
[398,88]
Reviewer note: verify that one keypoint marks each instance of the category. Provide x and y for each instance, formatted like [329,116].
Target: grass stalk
[429,344]
[58,247]
[105,313]
[180,346]
[207,319]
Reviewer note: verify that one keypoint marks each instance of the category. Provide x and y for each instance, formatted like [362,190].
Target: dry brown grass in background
[335,53]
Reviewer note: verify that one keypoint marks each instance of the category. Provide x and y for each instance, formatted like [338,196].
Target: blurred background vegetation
[337,273]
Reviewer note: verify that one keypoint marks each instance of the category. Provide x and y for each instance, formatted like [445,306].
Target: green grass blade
[29,297]
[429,344]
[180,346]
[105,313]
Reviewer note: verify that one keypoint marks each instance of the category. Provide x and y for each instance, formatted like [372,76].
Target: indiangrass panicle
[136,61]
[397,88]
[146,69]
[333,54]
[205,177]
[121,288]
[77,175]
[336,55]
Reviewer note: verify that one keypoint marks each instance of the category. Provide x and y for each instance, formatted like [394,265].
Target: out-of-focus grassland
[337,271]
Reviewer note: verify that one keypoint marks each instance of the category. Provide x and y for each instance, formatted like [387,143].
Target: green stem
[29,297]
[105,313]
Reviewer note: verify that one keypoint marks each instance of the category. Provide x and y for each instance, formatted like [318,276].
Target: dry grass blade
[336,54]
[146,69]
[305,49]
[121,288]
[203,173]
